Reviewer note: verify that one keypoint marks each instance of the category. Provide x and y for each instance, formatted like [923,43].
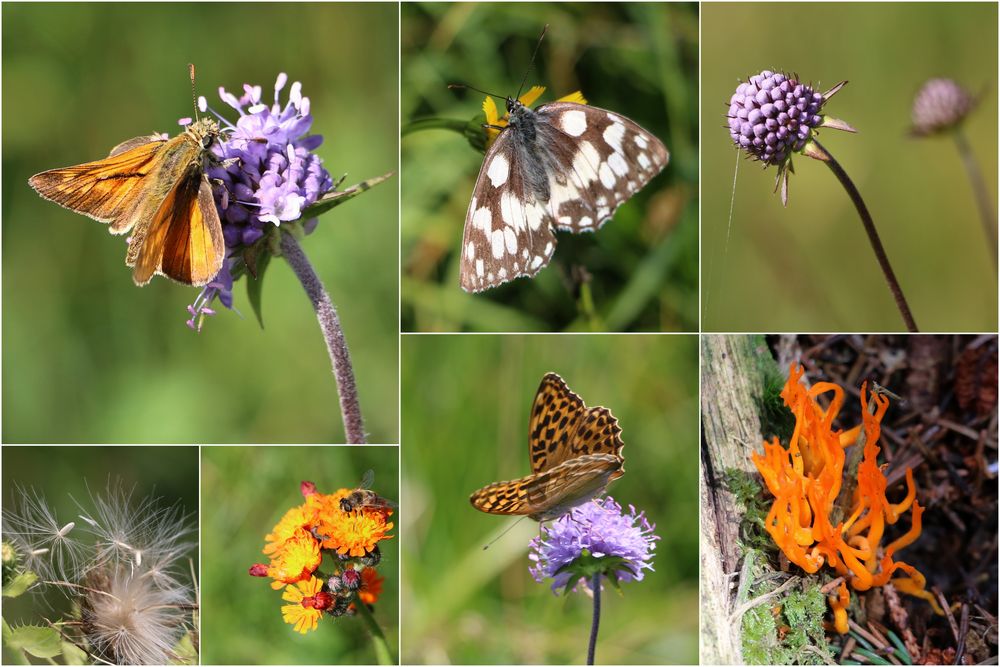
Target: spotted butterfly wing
[562,427]
[575,453]
[565,166]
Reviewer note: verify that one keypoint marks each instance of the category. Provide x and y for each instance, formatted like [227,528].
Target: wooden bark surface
[730,386]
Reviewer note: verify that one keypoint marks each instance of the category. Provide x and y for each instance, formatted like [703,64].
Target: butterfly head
[205,131]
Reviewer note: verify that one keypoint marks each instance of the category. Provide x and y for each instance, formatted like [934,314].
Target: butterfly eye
[207,140]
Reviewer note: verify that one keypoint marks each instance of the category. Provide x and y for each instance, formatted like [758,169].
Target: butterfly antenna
[194,97]
[506,530]
[460,86]
[532,62]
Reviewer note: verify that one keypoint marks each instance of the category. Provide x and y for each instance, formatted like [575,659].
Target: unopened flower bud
[321,601]
[258,570]
[307,489]
[351,579]
[372,558]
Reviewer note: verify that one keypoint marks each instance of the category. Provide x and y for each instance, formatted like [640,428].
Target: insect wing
[507,233]
[109,190]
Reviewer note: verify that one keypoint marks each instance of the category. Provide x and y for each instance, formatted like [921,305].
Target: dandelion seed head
[50,548]
[135,600]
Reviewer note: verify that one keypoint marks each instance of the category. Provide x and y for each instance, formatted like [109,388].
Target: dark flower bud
[307,489]
[258,570]
[351,579]
[321,601]
[372,558]
[339,607]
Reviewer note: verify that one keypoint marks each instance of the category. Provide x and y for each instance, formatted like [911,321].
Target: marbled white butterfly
[563,166]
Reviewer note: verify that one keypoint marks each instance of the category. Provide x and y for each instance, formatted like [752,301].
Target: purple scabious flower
[269,175]
[772,115]
[598,529]
[940,105]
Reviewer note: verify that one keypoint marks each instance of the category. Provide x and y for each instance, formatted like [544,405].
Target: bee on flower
[341,529]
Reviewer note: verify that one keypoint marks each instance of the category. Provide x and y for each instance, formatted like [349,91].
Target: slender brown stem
[987,214]
[595,623]
[873,238]
[333,334]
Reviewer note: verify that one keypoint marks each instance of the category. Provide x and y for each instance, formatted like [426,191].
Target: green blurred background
[640,60]
[465,418]
[60,474]
[245,491]
[809,267]
[78,79]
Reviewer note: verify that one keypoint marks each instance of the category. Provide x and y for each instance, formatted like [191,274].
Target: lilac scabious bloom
[772,115]
[268,172]
[940,105]
[600,529]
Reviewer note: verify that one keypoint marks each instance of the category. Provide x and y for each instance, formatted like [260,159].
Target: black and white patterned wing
[508,232]
[599,160]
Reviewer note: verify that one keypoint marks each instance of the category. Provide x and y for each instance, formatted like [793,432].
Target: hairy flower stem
[381,646]
[336,344]
[596,623]
[873,238]
[986,212]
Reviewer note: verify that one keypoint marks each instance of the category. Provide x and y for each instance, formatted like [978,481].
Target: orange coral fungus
[805,480]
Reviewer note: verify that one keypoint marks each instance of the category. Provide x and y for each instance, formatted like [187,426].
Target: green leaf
[73,654]
[255,286]
[336,198]
[185,652]
[39,641]
[19,584]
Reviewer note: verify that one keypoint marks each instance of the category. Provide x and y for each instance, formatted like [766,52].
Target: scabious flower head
[772,115]
[940,105]
[269,176]
[594,530]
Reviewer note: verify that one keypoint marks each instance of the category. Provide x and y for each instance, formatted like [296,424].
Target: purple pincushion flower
[772,115]
[595,530]
[940,105]
[268,175]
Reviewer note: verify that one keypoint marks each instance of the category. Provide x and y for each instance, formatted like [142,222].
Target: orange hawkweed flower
[805,480]
[297,559]
[294,520]
[371,586]
[303,617]
[353,533]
